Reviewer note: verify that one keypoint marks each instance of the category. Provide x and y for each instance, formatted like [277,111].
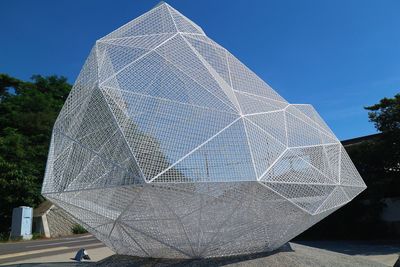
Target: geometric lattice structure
[168,146]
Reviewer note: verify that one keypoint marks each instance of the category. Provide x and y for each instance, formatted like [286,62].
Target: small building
[21,226]
[51,221]
[391,211]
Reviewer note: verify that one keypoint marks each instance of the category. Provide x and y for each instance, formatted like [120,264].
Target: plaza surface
[52,250]
[60,251]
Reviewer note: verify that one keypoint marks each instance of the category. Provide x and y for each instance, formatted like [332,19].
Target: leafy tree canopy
[386,114]
[28,111]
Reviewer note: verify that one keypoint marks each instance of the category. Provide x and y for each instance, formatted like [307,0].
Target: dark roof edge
[360,139]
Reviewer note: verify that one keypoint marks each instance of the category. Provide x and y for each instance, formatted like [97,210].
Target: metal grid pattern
[168,146]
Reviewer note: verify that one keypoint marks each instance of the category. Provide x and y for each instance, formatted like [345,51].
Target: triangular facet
[116,58]
[126,242]
[213,54]
[98,154]
[292,169]
[146,42]
[348,172]
[106,202]
[271,123]
[183,24]
[352,191]
[336,199]
[264,148]
[89,219]
[244,80]
[325,158]
[306,113]
[250,104]
[225,87]
[154,76]
[312,114]
[225,157]
[178,53]
[162,138]
[156,21]
[79,96]
[302,133]
[308,197]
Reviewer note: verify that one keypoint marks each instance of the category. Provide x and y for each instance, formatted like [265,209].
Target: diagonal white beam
[136,60]
[220,81]
[197,82]
[310,123]
[285,198]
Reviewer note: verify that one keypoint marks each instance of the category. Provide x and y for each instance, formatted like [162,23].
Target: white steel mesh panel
[270,124]
[265,149]
[180,54]
[212,53]
[253,105]
[307,115]
[349,175]
[312,115]
[216,160]
[80,94]
[301,133]
[183,24]
[169,146]
[244,80]
[156,77]
[156,21]
[114,58]
[152,124]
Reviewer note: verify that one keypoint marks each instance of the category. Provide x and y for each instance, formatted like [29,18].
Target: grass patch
[37,236]
[78,229]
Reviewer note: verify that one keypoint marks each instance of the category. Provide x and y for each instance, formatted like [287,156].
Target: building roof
[42,208]
[358,140]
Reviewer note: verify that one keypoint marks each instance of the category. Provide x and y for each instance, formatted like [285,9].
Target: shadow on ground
[52,264]
[124,260]
[288,255]
[356,247]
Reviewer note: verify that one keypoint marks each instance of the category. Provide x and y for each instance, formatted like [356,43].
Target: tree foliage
[386,115]
[28,111]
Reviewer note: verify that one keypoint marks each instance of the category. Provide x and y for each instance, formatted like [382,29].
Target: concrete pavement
[287,256]
[52,250]
[64,249]
[385,252]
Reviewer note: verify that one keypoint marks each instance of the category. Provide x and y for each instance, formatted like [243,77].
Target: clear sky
[336,55]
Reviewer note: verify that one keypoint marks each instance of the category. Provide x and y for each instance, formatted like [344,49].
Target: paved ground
[384,252]
[51,250]
[287,256]
[64,249]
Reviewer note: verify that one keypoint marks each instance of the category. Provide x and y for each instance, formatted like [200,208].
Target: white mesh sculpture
[168,146]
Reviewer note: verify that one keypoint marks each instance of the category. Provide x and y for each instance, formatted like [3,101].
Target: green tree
[28,111]
[386,117]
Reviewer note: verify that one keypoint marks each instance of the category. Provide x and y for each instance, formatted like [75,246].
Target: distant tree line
[29,109]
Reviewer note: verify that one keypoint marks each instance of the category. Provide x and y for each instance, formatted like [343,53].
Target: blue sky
[336,55]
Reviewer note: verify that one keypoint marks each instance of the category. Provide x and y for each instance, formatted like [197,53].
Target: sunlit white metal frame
[168,146]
